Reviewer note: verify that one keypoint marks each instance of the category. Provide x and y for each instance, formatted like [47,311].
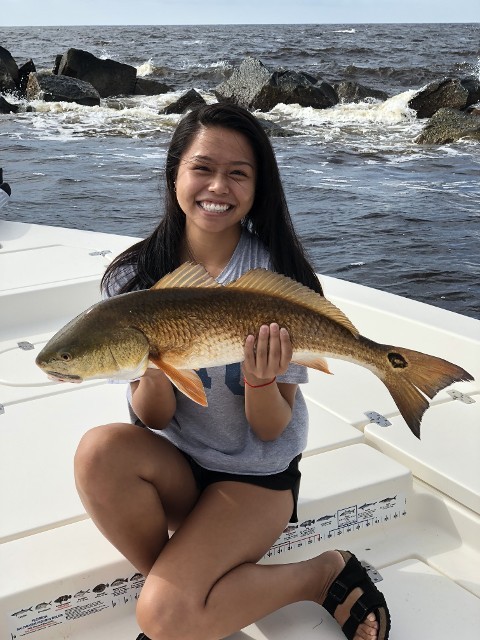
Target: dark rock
[56,64]
[51,88]
[110,78]
[353,92]
[10,64]
[450,125]
[448,92]
[150,87]
[190,99]
[274,130]
[472,85]
[6,81]
[6,107]
[24,71]
[244,84]
[293,87]
[253,86]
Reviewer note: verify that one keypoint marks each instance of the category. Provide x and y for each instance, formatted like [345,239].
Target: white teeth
[213,207]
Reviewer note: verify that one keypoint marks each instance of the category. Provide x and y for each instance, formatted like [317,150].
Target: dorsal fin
[276,284]
[187,275]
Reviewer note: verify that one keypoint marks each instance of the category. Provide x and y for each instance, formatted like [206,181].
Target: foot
[330,564]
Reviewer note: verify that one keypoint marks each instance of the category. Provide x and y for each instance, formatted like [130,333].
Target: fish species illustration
[366,504]
[118,582]
[42,605]
[100,588]
[188,321]
[22,611]
[324,518]
[80,594]
[137,576]
[63,599]
[388,499]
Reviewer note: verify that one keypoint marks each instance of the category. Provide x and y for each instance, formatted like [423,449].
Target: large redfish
[188,321]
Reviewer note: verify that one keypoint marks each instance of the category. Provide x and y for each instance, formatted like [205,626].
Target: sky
[130,12]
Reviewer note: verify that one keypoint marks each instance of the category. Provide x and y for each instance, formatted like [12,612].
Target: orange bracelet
[257,386]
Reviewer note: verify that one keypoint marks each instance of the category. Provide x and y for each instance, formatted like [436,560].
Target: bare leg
[206,584]
[135,486]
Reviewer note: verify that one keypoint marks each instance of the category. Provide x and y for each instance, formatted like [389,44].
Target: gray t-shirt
[219,437]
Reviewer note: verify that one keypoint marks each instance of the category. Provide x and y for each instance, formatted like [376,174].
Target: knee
[96,455]
[168,616]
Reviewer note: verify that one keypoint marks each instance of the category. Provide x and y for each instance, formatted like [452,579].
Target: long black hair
[268,219]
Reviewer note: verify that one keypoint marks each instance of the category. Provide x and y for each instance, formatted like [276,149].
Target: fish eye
[65,356]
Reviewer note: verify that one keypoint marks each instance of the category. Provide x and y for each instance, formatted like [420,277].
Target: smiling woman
[221,472]
[215,189]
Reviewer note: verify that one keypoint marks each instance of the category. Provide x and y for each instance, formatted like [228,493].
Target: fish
[187,321]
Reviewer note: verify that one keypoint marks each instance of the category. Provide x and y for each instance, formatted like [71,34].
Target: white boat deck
[410,508]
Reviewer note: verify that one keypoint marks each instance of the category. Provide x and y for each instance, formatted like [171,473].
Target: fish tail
[411,377]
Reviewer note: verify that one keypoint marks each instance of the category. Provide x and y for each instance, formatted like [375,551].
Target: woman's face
[216,178]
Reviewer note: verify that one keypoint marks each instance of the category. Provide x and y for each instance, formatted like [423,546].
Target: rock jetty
[79,76]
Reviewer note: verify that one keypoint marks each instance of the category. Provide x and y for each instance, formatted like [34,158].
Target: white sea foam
[344,31]
[391,111]
[145,69]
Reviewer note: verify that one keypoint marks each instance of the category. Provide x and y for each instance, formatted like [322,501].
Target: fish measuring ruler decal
[344,521]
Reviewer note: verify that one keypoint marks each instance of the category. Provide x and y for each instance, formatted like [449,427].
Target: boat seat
[335,503]
[326,430]
[52,263]
[447,456]
[422,602]
[44,565]
[42,478]
[42,310]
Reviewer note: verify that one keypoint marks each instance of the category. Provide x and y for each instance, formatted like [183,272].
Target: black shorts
[288,479]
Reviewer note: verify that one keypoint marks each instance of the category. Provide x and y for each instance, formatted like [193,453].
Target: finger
[249,354]
[261,356]
[286,349]
[274,348]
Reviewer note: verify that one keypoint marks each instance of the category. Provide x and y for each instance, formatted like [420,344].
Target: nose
[219,183]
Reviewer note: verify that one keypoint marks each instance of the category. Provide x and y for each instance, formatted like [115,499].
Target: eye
[201,168]
[65,356]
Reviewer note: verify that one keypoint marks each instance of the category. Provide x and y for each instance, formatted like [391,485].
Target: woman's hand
[268,404]
[268,356]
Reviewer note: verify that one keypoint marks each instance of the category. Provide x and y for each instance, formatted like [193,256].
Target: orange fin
[187,275]
[280,286]
[186,380]
[313,361]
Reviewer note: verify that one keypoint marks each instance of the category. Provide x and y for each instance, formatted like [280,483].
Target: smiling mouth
[214,207]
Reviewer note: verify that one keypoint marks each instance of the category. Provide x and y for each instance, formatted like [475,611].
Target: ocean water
[370,204]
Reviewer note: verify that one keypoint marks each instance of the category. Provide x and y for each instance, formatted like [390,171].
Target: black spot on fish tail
[397,360]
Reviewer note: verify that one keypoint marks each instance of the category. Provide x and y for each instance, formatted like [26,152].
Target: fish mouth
[63,377]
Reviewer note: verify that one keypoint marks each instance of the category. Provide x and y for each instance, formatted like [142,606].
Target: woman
[223,478]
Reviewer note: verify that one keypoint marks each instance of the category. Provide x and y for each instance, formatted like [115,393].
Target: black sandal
[371,601]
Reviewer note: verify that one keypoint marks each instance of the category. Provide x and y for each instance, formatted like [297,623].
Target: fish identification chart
[340,522]
[67,607]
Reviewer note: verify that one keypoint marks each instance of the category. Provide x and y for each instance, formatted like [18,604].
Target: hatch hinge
[463,397]
[102,252]
[25,345]
[374,575]
[2,409]
[377,418]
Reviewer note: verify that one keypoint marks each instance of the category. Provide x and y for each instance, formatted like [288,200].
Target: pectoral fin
[186,380]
